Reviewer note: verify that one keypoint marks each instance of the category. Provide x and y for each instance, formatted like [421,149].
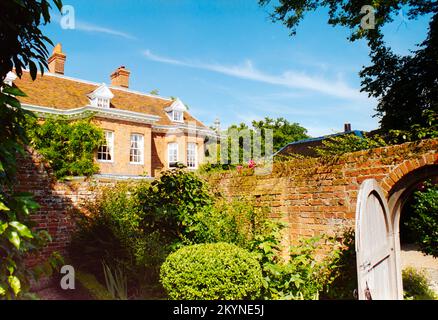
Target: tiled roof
[61,92]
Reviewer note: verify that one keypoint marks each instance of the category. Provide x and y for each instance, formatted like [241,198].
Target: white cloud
[87,27]
[290,79]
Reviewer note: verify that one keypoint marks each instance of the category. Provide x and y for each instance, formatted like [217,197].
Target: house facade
[145,134]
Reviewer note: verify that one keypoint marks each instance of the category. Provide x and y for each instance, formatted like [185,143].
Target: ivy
[68,146]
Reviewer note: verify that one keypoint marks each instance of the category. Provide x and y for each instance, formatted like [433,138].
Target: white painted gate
[375,245]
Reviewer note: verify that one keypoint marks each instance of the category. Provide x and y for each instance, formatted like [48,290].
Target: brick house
[144,133]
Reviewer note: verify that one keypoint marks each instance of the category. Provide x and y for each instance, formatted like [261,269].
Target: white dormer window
[103,103]
[176,111]
[177,116]
[101,97]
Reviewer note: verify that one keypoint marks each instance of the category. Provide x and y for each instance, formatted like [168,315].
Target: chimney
[347,127]
[120,77]
[57,60]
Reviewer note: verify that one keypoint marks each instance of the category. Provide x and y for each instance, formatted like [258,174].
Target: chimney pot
[120,77]
[347,127]
[57,60]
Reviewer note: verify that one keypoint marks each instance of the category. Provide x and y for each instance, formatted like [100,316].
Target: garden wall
[314,196]
[57,200]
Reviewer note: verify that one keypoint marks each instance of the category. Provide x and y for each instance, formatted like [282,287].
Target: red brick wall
[315,196]
[56,200]
[312,195]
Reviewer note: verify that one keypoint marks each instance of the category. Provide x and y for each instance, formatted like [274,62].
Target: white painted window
[137,148]
[105,153]
[103,103]
[177,115]
[192,155]
[172,154]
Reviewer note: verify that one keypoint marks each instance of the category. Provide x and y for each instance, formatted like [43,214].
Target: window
[106,151]
[103,103]
[177,116]
[137,149]
[191,155]
[172,154]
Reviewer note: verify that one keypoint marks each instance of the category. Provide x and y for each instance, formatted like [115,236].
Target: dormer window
[101,97]
[177,116]
[176,111]
[103,103]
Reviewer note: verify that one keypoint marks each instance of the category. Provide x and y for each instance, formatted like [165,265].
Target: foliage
[235,221]
[284,132]
[294,279]
[348,14]
[23,43]
[339,145]
[68,146]
[405,86]
[340,272]
[429,129]
[171,205]
[16,237]
[93,286]
[416,285]
[211,272]
[111,232]
[116,282]
[424,222]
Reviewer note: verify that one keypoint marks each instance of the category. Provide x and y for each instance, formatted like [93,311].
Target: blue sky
[226,59]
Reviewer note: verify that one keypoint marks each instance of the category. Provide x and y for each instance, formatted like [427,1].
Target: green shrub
[111,233]
[340,272]
[294,279]
[211,272]
[416,285]
[235,221]
[68,146]
[424,223]
[171,205]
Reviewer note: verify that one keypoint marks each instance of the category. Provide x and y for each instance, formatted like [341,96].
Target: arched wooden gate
[378,274]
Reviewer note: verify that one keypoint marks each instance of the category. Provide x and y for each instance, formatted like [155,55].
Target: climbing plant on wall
[68,146]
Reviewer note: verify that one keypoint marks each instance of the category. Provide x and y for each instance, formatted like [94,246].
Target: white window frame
[102,102]
[109,144]
[173,144]
[140,147]
[178,116]
[192,158]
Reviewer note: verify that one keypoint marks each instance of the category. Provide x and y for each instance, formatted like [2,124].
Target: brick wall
[312,195]
[315,196]
[56,199]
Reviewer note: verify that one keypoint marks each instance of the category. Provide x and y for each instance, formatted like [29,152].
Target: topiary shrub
[216,271]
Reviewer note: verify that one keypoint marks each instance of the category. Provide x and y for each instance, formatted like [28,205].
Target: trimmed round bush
[213,271]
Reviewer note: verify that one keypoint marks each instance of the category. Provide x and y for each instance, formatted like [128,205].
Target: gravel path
[411,256]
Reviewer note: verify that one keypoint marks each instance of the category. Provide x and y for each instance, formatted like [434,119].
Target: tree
[284,132]
[22,45]
[405,86]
